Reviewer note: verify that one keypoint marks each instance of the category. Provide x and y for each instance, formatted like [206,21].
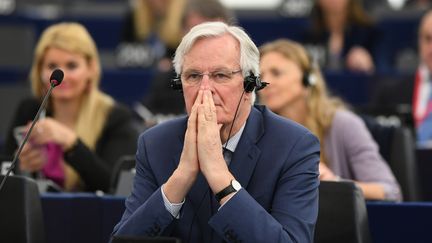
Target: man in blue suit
[196,182]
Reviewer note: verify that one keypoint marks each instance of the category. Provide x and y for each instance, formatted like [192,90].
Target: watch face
[236,185]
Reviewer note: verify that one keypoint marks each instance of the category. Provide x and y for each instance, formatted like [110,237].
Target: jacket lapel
[242,167]
[247,152]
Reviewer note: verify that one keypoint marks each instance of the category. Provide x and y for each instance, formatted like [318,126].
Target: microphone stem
[13,164]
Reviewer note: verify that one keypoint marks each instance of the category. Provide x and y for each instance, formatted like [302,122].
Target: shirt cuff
[172,208]
[228,199]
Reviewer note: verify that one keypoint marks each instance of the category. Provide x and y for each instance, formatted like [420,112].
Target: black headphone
[176,83]
[308,76]
[250,83]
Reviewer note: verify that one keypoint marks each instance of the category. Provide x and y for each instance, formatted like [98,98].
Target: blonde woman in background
[297,91]
[85,131]
[152,32]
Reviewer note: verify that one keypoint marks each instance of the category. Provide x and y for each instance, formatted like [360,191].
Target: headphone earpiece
[176,84]
[306,79]
[252,82]
[309,78]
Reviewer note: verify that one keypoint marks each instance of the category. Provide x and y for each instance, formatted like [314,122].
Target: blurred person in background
[84,131]
[298,91]
[414,92]
[151,33]
[418,4]
[161,102]
[341,36]
[380,7]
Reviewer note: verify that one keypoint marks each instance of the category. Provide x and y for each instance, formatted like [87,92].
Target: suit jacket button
[157,228]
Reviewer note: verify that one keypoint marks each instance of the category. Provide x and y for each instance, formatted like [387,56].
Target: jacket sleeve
[363,155]
[294,208]
[117,139]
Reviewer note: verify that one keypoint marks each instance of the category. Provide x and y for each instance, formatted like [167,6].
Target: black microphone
[55,80]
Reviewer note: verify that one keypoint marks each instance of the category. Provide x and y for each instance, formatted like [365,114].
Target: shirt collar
[425,73]
[234,140]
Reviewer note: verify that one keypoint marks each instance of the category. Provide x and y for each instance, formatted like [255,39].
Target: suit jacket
[276,162]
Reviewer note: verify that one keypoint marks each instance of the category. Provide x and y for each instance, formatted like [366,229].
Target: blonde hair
[95,105]
[168,29]
[321,106]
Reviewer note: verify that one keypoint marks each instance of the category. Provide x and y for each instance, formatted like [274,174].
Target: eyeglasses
[218,76]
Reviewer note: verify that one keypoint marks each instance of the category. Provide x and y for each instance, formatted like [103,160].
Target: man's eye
[221,75]
[193,76]
[276,73]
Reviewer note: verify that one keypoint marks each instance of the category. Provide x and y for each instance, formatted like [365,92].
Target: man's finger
[212,105]
[201,115]
[199,98]
[193,115]
[207,106]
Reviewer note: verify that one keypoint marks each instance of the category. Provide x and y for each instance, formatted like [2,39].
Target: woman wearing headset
[297,91]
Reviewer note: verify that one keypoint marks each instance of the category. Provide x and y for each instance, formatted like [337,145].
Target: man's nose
[206,81]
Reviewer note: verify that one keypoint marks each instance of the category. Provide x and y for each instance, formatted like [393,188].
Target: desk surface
[85,217]
[400,222]
[80,217]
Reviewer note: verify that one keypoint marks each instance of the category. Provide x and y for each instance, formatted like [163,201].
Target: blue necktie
[227,156]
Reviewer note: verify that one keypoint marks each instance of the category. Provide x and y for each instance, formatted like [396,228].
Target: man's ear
[249,96]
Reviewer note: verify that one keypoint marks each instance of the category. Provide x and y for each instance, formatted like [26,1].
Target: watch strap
[227,190]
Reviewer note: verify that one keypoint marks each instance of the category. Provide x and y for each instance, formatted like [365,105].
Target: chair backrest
[342,215]
[21,218]
[122,175]
[397,147]
[403,163]
[16,45]
[11,93]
